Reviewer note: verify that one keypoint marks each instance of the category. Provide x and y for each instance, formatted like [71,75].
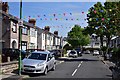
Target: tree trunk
[101,41]
[108,43]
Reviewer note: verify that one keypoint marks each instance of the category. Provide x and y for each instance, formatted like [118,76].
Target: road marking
[76,69]
[74,72]
[80,64]
[59,62]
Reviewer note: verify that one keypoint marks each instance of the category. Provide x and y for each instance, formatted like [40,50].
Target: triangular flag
[64,14]
[70,13]
[54,15]
[95,11]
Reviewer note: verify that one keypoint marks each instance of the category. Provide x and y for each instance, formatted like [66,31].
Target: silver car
[38,62]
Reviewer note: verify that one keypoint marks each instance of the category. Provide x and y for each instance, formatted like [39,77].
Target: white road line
[80,64]
[74,72]
[76,69]
[59,62]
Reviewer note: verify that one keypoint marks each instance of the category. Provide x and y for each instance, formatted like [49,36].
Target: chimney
[47,28]
[56,33]
[32,21]
[5,7]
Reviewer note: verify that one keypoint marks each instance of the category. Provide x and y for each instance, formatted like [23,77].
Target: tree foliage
[104,20]
[76,37]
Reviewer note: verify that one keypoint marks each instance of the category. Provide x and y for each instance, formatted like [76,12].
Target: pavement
[106,62]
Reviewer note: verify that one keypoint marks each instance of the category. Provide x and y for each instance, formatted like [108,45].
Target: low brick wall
[8,66]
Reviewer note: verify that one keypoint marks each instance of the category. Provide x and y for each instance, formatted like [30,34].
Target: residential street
[87,66]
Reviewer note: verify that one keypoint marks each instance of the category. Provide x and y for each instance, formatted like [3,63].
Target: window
[43,36]
[24,30]
[14,27]
[96,43]
[32,32]
[48,37]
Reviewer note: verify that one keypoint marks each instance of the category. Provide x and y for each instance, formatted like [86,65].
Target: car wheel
[53,68]
[46,71]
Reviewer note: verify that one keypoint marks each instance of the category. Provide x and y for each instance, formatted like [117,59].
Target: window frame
[24,30]
[14,27]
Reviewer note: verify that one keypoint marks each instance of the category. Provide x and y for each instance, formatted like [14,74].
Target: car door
[49,62]
[52,60]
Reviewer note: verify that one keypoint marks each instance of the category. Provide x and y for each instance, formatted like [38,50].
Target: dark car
[115,71]
[79,51]
[56,53]
[12,53]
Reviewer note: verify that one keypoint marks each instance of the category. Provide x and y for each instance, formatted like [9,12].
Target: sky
[60,16]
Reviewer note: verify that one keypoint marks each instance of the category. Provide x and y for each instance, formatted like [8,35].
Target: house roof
[26,23]
[11,17]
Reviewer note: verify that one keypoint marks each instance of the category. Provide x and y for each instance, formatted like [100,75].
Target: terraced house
[10,31]
[33,37]
[47,40]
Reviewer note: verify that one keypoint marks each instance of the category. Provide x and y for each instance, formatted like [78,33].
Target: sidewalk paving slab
[106,62]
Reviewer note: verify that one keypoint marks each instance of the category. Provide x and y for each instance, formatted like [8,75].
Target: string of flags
[63,16]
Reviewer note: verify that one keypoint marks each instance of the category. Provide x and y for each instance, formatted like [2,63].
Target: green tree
[96,17]
[76,37]
[104,20]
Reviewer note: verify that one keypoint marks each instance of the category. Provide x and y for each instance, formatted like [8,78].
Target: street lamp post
[20,38]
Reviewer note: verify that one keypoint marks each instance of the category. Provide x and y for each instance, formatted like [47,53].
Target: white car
[87,52]
[68,51]
[73,53]
[96,52]
[38,62]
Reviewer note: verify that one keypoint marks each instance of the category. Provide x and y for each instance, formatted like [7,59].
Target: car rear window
[73,52]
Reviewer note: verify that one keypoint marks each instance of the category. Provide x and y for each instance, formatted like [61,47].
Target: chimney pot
[5,7]
[56,32]
[47,28]
[32,21]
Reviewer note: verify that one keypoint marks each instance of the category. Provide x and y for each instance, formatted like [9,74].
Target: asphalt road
[87,66]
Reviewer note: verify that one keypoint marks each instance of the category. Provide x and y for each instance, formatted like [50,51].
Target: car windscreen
[37,56]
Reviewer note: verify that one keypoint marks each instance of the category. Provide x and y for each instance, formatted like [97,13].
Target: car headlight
[40,65]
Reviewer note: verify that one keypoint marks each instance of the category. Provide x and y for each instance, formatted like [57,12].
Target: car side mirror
[48,59]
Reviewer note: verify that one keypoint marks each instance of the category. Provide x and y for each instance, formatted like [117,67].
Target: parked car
[68,51]
[12,53]
[115,71]
[56,53]
[73,53]
[86,52]
[78,51]
[38,62]
[96,52]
